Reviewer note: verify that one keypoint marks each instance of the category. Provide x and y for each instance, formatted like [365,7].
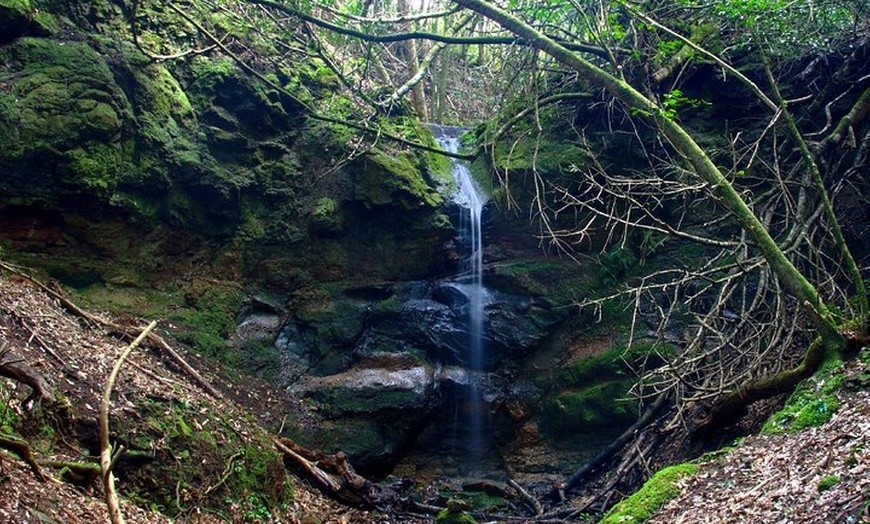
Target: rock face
[394,355]
[146,168]
[198,180]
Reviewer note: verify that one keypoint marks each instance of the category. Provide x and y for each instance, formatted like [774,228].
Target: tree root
[12,366]
[22,449]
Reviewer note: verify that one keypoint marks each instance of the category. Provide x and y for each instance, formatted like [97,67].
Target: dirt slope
[818,475]
[75,357]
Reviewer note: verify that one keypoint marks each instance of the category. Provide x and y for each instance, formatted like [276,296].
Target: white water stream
[470,281]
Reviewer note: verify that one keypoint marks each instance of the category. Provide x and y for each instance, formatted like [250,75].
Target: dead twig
[531,501]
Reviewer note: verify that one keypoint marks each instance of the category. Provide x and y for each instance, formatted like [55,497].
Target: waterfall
[470,281]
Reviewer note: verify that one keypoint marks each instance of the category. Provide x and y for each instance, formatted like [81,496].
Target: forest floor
[820,474]
[816,475]
[76,356]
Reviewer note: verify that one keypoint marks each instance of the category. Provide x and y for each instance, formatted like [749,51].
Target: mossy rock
[551,156]
[643,504]
[612,364]
[23,18]
[587,410]
[396,179]
[65,96]
[448,516]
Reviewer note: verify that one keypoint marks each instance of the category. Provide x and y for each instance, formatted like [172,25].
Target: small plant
[828,482]
[616,263]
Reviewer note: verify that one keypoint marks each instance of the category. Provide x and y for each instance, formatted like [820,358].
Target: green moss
[166,115]
[659,489]
[608,365]
[604,404]
[326,216]
[66,95]
[813,402]
[394,179]
[827,483]
[209,318]
[19,6]
[550,155]
[45,23]
[99,167]
[561,281]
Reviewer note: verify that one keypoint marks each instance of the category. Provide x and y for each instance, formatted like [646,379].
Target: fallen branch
[106,459]
[22,449]
[531,501]
[203,383]
[12,366]
[335,475]
[323,479]
[578,476]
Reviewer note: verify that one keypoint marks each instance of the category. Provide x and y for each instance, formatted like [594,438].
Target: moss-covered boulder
[63,117]
[20,18]
[14,18]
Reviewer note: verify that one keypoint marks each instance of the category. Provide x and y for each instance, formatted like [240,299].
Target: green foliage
[615,265]
[9,418]
[672,102]
[812,404]
[667,49]
[659,489]
[827,483]
[787,27]
[675,100]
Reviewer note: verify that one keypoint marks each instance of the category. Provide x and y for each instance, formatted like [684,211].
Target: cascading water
[470,281]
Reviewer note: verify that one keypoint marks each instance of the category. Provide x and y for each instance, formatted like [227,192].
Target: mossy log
[22,449]
[707,419]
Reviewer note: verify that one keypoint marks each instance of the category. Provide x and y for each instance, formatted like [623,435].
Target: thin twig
[106,460]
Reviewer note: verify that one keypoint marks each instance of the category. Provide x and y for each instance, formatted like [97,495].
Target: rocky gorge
[194,191]
[225,185]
